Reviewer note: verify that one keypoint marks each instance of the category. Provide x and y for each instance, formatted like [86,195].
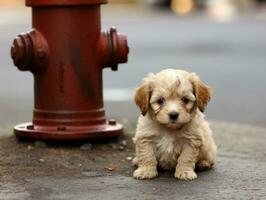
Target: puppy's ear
[202,92]
[143,94]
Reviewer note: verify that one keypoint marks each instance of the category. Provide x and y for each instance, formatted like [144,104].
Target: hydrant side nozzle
[30,51]
[21,52]
[113,49]
[120,49]
[123,49]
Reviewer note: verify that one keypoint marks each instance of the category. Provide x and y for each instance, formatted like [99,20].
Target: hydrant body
[66,52]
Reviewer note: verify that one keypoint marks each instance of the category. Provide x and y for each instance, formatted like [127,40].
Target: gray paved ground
[230,57]
[66,172]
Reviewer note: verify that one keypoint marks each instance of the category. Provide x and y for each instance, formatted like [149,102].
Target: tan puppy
[172,132]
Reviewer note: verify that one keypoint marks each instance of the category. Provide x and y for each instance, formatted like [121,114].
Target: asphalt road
[60,171]
[230,57]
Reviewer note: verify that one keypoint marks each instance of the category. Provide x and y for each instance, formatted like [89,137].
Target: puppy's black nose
[173,115]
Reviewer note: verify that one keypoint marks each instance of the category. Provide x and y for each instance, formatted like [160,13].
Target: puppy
[171,132]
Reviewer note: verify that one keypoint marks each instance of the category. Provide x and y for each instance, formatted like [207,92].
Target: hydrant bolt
[112,121]
[41,54]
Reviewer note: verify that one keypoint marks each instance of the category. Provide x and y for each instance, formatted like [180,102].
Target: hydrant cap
[62,2]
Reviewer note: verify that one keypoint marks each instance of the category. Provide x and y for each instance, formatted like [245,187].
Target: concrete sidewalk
[103,171]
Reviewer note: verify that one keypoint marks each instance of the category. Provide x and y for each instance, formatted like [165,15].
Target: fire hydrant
[66,52]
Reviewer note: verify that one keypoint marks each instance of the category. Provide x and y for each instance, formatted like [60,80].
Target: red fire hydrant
[66,52]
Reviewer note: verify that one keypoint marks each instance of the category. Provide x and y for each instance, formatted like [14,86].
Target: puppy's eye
[160,101]
[185,100]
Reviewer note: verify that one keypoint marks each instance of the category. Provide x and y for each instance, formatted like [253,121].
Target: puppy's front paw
[185,175]
[145,173]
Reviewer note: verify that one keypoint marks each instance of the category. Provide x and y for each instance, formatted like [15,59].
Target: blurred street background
[223,41]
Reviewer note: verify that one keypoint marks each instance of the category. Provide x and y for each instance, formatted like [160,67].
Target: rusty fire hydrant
[66,52]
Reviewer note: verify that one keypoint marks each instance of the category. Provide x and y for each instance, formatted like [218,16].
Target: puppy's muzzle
[173,116]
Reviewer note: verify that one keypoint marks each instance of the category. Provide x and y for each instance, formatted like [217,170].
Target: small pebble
[41,160]
[121,148]
[113,146]
[124,143]
[29,147]
[129,158]
[115,155]
[87,146]
[40,144]
[110,168]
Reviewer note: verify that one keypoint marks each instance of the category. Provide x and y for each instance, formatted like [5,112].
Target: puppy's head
[171,97]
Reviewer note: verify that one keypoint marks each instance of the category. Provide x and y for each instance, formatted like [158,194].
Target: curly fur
[181,144]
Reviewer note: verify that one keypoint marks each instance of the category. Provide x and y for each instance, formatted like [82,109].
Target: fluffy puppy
[172,132]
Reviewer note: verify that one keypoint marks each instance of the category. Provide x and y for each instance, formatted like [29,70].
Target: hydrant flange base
[108,130]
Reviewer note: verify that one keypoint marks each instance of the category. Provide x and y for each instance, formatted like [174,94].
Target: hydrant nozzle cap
[20,52]
[120,48]
[30,51]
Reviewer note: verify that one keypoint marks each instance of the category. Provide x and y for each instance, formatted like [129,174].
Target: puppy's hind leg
[207,157]
[203,165]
